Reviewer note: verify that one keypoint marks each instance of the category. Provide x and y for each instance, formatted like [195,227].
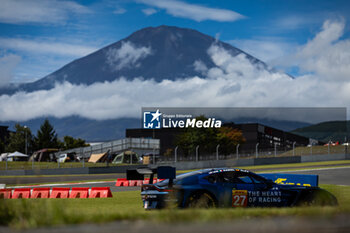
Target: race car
[225,187]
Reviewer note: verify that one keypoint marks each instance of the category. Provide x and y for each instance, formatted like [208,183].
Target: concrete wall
[317,158]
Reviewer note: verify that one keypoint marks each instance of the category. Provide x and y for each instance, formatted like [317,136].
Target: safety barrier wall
[79,192]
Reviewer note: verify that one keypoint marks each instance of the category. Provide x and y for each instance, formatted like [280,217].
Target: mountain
[326,131]
[163,52]
[158,53]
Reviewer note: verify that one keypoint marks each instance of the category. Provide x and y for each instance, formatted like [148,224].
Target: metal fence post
[154,156]
[328,147]
[217,152]
[256,150]
[176,154]
[82,156]
[294,148]
[197,153]
[311,149]
[237,155]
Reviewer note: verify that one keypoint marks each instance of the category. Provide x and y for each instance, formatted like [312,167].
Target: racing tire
[201,200]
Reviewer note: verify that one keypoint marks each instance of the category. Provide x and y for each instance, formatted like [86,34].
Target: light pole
[237,147]
[256,150]
[197,153]
[217,152]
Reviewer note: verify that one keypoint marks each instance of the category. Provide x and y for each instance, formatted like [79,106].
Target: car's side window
[246,179]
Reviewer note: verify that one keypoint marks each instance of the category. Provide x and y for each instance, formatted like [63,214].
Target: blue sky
[306,38]
[38,37]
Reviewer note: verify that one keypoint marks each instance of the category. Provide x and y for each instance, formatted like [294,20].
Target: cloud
[199,66]
[234,82]
[127,55]
[39,11]
[7,64]
[149,11]
[326,55]
[119,11]
[42,47]
[192,11]
[265,49]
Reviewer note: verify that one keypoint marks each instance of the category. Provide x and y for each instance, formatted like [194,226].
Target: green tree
[47,137]
[208,138]
[205,138]
[228,139]
[17,140]
[70,142]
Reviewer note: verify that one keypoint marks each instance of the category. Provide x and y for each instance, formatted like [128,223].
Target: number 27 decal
[239,198]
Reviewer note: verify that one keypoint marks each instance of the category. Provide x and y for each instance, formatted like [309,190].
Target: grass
[316,150]
[32,213]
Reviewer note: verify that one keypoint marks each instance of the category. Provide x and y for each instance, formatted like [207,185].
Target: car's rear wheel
[201,200]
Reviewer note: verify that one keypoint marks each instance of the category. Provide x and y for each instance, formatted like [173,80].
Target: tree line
[208,138]
[46,137]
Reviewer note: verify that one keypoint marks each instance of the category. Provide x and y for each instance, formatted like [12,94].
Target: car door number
[239,198]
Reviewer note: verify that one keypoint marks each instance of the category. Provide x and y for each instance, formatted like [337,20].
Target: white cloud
[127,55]
[326,54]
[119,11]
[192,11]
[39,11]
[234,82]
[149,11]
[40,47]
[200,66]
[7,64]
[265,49]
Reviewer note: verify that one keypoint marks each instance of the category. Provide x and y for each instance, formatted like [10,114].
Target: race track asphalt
[329,175]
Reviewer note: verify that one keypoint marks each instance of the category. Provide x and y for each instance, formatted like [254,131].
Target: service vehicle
[228,187]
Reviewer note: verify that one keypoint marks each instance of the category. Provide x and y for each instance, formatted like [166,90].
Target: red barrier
[5,193]
[100,192]
[40,193]
[21,193]
[79,193]
[60,193]
[135,182]
[122,182]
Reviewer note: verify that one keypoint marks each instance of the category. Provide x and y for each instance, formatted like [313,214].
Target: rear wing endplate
[163,172]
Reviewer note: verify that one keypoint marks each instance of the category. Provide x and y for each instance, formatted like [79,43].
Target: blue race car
[224,187]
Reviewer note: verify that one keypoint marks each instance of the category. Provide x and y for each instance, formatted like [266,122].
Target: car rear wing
[163,172]
[292,179]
